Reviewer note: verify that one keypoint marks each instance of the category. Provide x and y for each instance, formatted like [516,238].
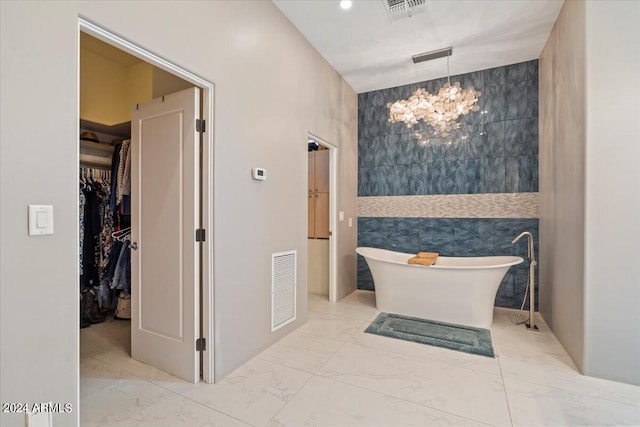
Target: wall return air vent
[398,9]
[283,289]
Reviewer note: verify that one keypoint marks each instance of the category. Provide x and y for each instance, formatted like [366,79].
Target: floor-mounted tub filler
[453,290]
[531,283]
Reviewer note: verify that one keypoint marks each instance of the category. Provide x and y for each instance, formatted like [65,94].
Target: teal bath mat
[446,335]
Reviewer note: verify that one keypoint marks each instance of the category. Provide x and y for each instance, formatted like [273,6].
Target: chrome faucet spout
[530,250]
[521,235]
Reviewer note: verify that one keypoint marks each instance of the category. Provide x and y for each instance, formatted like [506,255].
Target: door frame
[333,215]
[207,185]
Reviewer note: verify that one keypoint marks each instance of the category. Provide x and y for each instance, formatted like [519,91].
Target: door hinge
[200,235]
[201,125]
[201,344]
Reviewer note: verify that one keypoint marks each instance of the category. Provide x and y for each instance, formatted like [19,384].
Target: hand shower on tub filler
[532,282]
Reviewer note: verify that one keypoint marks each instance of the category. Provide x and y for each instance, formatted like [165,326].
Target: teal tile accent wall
[499,154]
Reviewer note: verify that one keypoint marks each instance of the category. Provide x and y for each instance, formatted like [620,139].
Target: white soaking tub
[453,290]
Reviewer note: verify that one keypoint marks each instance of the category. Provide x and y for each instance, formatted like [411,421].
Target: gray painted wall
[612,235]
[562,173]
[251,52]
[589,187]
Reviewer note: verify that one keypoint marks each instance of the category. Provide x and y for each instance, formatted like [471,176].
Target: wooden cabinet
[311,211]
[322,215]
[322,171]
[318,195]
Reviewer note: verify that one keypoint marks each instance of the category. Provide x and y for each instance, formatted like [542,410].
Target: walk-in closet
[118,199]
[105,225]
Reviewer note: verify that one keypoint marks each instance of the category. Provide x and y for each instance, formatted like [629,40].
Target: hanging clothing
[122,273]
[113,262]
[91,231]
[82,202]
[97,228]
[105,242]
[126,179]
[121,169]
[115,163]
[105,261]
[126,184]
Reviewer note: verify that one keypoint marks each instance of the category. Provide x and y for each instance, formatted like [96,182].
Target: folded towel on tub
[424,259]
[427,255]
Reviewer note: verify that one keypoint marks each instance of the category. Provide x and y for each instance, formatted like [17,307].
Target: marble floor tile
[301,351]
[507,334]
[117,353]
[366,299]
[330,373]
[558,371]
[176,411]
[253,393]
[96,374]
[112,336]
[360,297]
[534,405]
[332,326]
[525,341]
[539,358]
[326,403]
[93,342]
[145,372]
[473,394]
[119,399]
[427,352]
[351,308]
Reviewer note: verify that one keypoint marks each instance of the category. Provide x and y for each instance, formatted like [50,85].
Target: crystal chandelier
[440,111]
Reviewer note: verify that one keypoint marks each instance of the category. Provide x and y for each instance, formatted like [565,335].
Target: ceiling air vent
[398,9]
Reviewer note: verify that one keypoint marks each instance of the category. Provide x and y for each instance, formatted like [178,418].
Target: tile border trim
[489,205]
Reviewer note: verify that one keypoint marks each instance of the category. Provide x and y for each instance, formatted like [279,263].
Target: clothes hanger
[83,178]
[122,235]
[125,237]
[120,232]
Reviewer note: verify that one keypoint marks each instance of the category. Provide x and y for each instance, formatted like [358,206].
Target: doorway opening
[321,209]
[152,93]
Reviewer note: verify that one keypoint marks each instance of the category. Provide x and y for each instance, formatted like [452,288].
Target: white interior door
[165,318]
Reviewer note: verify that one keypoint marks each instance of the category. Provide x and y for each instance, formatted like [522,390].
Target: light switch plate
[39,419]
[341,216]
[350,222]
[40,220]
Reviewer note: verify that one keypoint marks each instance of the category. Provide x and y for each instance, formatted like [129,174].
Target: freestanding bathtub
[453,290]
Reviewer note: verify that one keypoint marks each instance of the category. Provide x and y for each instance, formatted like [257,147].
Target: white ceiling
[371,52]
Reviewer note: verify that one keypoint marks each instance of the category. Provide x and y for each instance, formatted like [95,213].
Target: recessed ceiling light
[345,4]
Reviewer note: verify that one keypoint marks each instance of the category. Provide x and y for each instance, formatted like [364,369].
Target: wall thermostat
[259,174]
